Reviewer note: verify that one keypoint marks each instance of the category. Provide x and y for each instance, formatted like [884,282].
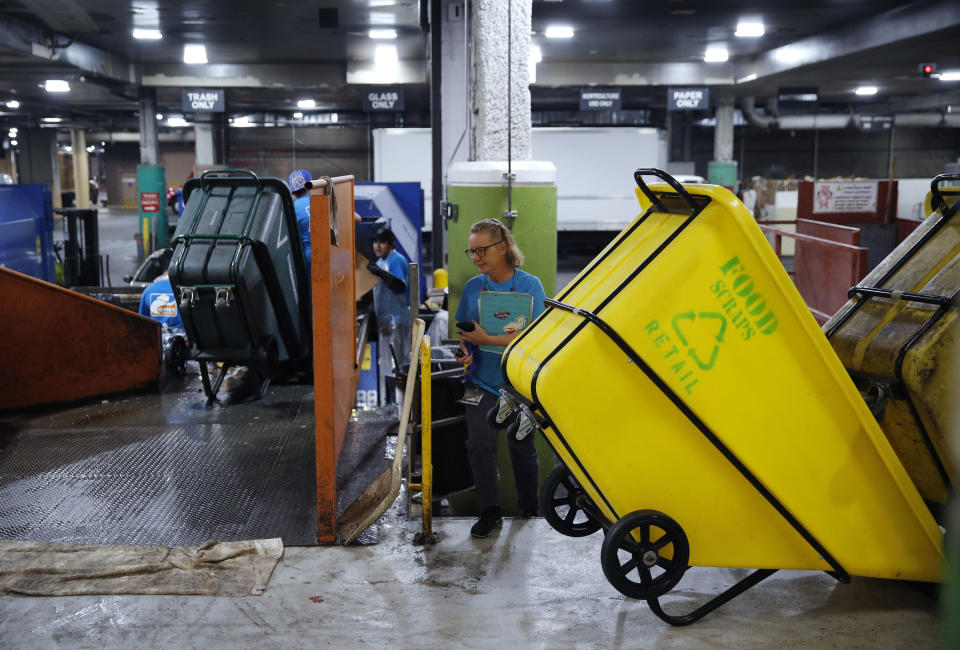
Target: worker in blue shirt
[391,303]
[159,302]
[300,181]
[497,257]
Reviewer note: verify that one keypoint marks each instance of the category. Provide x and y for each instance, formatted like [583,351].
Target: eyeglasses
[481,251]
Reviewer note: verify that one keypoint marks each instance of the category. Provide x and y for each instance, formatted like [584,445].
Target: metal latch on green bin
[450,211]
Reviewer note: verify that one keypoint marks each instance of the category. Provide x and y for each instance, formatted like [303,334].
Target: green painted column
[723,172]
[152,200]
[480,192]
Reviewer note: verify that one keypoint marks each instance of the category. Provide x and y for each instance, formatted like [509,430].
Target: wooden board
[58,345]
[335,371]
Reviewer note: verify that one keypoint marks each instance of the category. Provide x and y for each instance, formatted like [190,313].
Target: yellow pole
[426,430]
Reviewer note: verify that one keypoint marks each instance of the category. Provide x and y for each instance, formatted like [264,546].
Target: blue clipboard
[504,312]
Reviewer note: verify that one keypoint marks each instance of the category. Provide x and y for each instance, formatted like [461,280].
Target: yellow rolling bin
[897,339]
[702,416]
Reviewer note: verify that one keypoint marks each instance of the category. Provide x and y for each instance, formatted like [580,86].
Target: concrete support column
[497,40]
[38,162]
[205,145]
[81,168]
[723,132]
[149,143]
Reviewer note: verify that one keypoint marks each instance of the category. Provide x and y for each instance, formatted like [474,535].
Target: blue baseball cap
[299,180]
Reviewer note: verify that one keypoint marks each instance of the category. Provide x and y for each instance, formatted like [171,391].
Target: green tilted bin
[479,191]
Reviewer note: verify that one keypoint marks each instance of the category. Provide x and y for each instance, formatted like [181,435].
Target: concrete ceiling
[268,54]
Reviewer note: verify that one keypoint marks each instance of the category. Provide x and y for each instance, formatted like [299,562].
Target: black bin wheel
[644,554]
[175,356]
[561,503]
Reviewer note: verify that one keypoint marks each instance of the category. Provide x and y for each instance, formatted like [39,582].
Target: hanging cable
[509,109]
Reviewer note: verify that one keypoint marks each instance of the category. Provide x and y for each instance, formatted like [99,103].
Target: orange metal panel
[58,346]
[335,371]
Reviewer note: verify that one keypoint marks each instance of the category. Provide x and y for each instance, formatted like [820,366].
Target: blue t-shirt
[392,308]
[159,303]
[302,207]
[488,375]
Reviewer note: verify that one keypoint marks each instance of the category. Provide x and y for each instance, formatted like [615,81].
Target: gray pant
[399,336]
[482,452]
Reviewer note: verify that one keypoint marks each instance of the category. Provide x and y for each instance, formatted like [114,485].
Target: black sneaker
[489,520]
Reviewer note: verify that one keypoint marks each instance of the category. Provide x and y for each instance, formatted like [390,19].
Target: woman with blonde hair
[497,257]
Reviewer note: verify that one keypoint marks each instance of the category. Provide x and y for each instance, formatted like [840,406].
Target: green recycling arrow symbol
[692,316]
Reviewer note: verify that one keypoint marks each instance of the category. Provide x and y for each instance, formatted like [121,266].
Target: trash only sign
[203,101]
[150,201]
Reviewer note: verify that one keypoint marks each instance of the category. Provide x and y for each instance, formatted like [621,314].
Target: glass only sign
[688,99]
[382,98]
[203,101]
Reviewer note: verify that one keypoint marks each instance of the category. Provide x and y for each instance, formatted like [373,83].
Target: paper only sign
[688,99]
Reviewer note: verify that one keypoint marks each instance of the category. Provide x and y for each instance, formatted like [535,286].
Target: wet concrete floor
[525,586]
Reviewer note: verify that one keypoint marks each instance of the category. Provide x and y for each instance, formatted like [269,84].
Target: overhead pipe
[749,110]
[134,136]
[840,121]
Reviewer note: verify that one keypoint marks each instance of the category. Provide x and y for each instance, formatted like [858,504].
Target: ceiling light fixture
[13,104]
[866,91]
[382,3]
[52,120]
[382,33]
[559,31]
[950,75]
[56,86]
[14,143]
[385,57]
[716,54]
[159,116]
[749,29]
[194,53]
[306,103]
[298,115]
[91,149]
[176,122]
[147,34]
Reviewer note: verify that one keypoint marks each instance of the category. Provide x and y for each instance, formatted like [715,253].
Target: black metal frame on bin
[943,303]
[239,178]
[694,206]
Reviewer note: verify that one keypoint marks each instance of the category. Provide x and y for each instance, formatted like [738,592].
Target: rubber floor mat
[171,485]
